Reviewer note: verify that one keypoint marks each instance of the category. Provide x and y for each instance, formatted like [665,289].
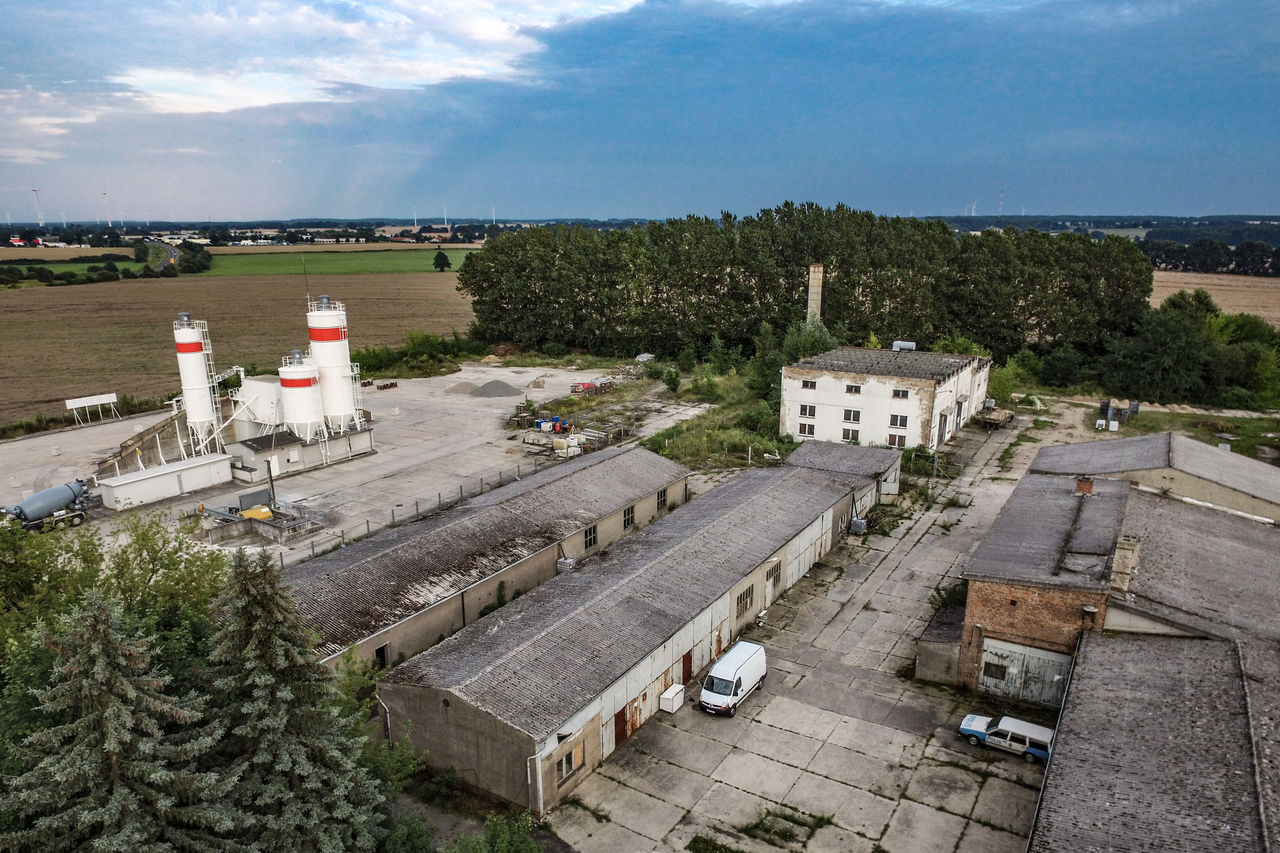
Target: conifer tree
[113,769]
[299,783]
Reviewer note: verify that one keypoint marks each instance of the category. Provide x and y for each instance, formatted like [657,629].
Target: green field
[331,263]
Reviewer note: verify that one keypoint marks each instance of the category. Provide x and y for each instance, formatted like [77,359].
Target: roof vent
[904,346]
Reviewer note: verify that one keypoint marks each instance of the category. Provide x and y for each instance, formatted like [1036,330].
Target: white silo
[195,367]
[300,404]
[327,325]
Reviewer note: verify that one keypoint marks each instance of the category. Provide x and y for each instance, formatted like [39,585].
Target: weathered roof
[548,654]
[1209,570]
[1048,535]
[910,364]
[259,443]
[352,593]
[1153,752]
[1164,450]
[872,462]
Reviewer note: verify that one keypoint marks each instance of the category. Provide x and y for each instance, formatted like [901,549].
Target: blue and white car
[1034,743]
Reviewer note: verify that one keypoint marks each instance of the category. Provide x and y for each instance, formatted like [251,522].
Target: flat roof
[1048,535]
[910,364]
[1154,751]
[166,469]
[1163,450]
[869,462]
[356,591]
[542,658]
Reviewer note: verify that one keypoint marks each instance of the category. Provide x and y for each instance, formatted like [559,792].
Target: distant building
[873,396]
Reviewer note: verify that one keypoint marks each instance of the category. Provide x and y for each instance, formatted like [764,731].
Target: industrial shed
[401,591]
[528,701]
[1173,464]
[881,466]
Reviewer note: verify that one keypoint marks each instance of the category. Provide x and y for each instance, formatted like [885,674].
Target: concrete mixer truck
[60,506]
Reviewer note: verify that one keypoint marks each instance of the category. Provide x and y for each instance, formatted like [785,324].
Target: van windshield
[723,686]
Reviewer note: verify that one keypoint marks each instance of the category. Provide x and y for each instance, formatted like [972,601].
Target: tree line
[1249,257]
[1075,306]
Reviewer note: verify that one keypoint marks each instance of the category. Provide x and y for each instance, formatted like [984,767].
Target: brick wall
[1041,617]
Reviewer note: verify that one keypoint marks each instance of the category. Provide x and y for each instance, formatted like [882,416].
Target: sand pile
[496,388]
[461,388]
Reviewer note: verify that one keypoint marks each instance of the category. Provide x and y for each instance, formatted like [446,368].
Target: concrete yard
[837,752]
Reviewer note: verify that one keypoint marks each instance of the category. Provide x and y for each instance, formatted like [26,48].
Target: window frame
[898,441]
[901,394]
[806,430]
[898,421]
[808,410]
[662,498]
[850,435]
[590,537]
[629,517]
[746,601]
[850,388]
[853,416]
[808,384]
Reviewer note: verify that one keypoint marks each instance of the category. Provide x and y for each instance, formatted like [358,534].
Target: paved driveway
[837,752]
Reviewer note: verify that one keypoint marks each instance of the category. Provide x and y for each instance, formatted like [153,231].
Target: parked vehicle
[732,678]
[57,507]
[1032,742]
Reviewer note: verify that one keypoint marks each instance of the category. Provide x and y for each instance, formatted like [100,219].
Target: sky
[536,109]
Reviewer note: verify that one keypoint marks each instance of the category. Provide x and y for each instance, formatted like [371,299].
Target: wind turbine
[39,215]
[107,204]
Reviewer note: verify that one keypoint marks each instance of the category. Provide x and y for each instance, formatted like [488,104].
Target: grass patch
[1247,433]
[1006,456]
[784,827]
[332,263]
[577,803]
[738,426]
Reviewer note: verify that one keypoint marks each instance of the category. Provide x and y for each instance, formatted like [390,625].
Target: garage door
[1023,672]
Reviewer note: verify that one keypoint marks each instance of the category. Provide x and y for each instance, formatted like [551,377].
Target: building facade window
[898,421]
[806,429]
[746,599]
[774,575]
[808,410]
[853,416]
[850,435]
[662,499]
[808,384]
[897,441]
[629,517]
[569,763]
[589,537]
[899,393]
[853,389]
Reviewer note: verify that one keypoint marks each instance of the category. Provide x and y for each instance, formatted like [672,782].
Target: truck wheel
[733,710]
[973,739]
[77,520]
[60,524]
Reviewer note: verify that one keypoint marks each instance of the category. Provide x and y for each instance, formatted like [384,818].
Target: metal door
[1024,673]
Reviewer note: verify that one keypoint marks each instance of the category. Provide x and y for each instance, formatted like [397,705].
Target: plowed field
[63,342]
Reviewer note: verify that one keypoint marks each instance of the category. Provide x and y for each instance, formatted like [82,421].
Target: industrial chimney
[815,293]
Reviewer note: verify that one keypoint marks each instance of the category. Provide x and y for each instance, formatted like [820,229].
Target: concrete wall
[927,401]
[610,528]
[251,466]
[1041,617]
[1196,488]
[155,484]
[484,751]
[1129,621]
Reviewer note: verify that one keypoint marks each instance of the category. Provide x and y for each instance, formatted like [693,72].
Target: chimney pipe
[815,293]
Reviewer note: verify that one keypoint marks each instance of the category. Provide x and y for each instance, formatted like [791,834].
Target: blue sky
[611,108]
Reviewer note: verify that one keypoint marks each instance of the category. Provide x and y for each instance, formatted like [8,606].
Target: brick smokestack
[815,292]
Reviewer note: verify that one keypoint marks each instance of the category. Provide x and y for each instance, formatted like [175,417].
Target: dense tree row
[1251,257]
[667,285]
[1231,233]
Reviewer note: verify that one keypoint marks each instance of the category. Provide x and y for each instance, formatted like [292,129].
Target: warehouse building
[887,397]
[527,702]
[880,466]
[399,592]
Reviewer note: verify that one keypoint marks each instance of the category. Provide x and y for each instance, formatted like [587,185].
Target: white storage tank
[194,365]
[327,326]
[300,403]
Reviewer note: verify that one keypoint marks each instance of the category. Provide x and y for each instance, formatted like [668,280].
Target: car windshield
[718,685]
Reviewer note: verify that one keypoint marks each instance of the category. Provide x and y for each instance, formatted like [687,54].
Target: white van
[739,671]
